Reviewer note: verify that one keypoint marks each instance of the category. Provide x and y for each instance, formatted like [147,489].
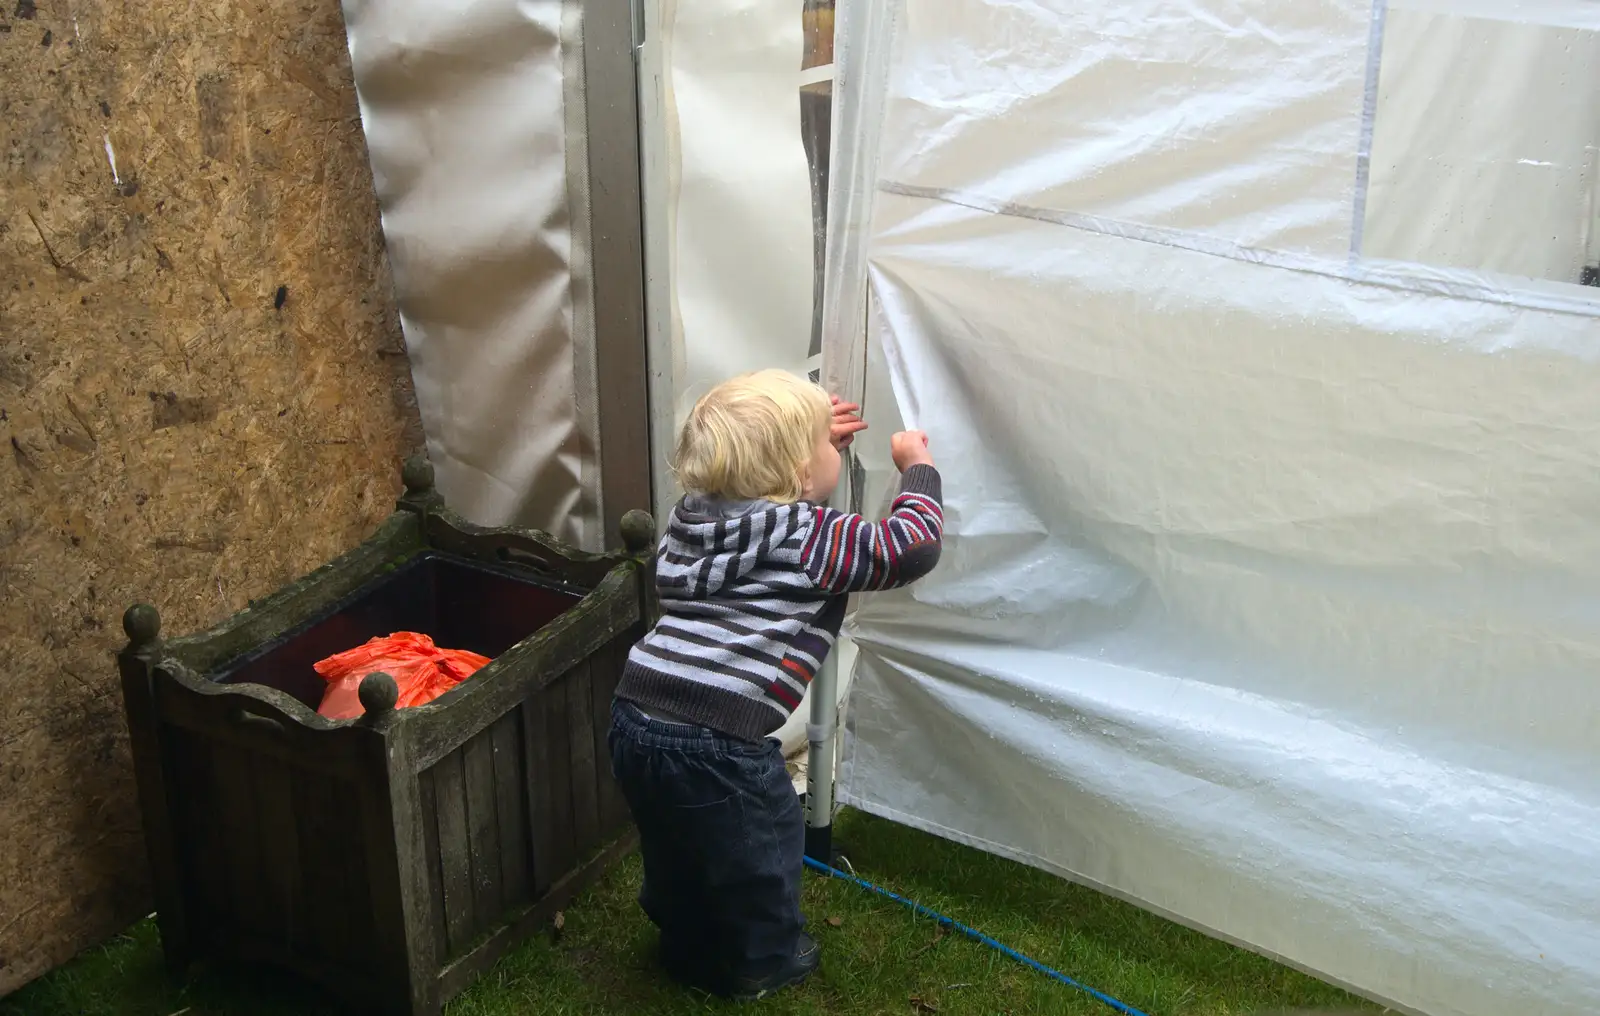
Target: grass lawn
[878,957]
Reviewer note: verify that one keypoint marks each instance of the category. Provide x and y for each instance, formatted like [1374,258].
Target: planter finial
[378,694]
[638,531]
[142,624]
[417,474]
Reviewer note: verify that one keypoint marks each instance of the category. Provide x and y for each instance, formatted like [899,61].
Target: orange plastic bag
[422,670]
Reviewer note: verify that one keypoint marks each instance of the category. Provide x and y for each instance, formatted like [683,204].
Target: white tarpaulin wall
[474,118]
[1269,599]
[1248,341]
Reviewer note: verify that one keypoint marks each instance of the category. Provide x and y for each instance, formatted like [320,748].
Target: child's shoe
[807,957]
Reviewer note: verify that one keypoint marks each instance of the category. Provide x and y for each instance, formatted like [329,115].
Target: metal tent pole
[823,729]
[821,732]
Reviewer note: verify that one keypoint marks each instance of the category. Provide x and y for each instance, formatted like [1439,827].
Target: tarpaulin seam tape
[1369,114]
[1366,272]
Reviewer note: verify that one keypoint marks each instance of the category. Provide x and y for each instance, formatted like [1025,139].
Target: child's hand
[910,448]
[845,425]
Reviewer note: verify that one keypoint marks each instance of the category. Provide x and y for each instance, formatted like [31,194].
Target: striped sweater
[753,595]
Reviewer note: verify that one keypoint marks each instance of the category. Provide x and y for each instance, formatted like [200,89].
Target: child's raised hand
[910,448]
[846,424]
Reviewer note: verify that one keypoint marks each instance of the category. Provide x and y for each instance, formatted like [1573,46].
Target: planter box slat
[455,852]
[483,828]
[327,895]
[240,854]
[396,856]
[562,849]
[511,809]
[427,790]
[542,824]
[580,741]
[606,675]
[278,813]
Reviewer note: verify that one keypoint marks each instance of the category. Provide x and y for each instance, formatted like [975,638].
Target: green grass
[880,958]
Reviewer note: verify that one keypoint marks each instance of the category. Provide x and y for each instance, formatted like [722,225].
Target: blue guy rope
[977,936]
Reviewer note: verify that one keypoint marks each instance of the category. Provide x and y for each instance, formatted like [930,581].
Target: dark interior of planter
[459,603]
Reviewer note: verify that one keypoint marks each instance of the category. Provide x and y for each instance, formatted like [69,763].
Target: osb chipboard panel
[202,387]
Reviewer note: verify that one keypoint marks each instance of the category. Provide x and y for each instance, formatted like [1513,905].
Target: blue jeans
[723,841]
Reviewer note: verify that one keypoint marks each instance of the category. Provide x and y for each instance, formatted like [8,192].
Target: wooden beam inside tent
[203,387]
[616,231]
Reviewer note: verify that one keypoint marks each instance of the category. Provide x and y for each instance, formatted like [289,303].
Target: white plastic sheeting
[1269,599]
[475,126]
[1486,140]
[728,194]
[742,259]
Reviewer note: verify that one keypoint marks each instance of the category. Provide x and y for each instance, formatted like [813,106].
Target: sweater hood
[714,543]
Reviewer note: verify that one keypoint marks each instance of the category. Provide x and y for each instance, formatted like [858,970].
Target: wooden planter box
[395,857]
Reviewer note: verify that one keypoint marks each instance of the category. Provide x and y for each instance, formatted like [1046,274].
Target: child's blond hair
[753,437]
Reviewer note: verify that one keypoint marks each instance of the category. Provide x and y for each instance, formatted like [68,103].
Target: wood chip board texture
[203,389]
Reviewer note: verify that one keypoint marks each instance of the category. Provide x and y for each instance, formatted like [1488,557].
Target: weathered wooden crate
[395,857]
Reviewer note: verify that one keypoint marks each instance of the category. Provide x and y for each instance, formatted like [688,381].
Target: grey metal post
[822,734]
